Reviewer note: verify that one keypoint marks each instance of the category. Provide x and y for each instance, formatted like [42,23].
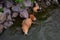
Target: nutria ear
[34,5]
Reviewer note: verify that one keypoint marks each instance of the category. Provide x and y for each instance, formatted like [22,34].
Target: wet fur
[26,24]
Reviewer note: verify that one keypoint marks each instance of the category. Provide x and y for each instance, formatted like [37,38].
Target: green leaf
[32,0]
[1,9]
[18,1]
[23,6]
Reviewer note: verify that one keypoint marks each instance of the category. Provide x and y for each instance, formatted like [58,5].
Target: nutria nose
[38,10]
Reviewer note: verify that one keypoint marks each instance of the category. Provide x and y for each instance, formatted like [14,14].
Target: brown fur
[26,24]
[36,8]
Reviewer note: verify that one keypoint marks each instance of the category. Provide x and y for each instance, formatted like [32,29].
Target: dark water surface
[47,30]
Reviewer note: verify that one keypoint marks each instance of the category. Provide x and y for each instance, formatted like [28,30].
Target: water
[48,29]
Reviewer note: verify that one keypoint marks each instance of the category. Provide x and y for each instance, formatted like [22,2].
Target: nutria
[26,24]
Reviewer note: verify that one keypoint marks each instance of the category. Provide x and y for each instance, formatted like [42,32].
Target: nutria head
[36,7]
[32,17]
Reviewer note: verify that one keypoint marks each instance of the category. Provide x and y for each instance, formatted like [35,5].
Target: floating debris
[2,17]
[6,11]
[24,13]
[1,28]
[16,8]
[8,24]
[8,4]
[27,3]
[14,14]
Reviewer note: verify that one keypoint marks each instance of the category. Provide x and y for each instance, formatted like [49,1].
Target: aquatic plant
[18,1]
[1,9]
[21,1]
[32,0]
